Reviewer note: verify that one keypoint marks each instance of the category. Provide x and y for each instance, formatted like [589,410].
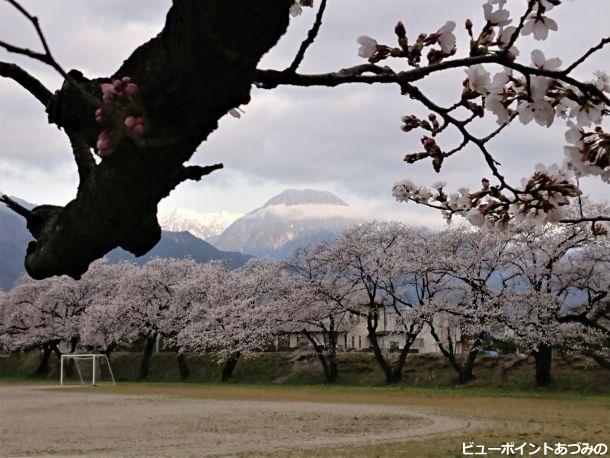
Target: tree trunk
[230,364]
[43,365]
[333,369]
[327,359]
[69,366]
[109,349]
[544,358]
[183,367]
[391,376]
[148,351]
[465,372]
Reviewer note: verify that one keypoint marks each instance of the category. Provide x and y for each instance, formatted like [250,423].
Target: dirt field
[38,421]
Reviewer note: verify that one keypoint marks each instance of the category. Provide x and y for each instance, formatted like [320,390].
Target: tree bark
[43,365]
[148,351]
[465,374]
[464,370]
[543,356]
[393,372]
[327,357]
[190,75]
[230,364]
[393,375]
[183,366]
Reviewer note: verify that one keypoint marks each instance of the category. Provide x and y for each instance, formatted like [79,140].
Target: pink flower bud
[100,116]
[400,30]
[132,89]
[126,80]
[108,99]
[139,129]
[130,121]
[118,85]
[107,89]
[107,142]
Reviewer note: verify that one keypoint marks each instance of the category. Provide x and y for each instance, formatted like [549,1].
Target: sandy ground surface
[38,421]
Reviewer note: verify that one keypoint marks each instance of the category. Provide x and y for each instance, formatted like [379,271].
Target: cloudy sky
[346,140]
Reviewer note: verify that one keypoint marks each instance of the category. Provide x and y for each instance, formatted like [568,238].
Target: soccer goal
[81,369]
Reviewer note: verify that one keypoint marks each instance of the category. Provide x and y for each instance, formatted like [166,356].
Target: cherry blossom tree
[146,120]
[471,264]
[313,305]
[101,326]
[585,280]
[232,313]
[369,264]
[538,291]
[147,299]
[34,318]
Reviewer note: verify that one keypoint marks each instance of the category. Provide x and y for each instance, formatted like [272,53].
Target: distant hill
[182,245]
[291,219]
[14,238]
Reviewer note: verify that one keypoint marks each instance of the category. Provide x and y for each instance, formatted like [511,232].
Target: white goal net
[80,369]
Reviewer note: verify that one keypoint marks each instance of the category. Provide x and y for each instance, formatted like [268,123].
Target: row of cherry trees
[535,287]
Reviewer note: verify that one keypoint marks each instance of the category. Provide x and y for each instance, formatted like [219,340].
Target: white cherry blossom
[368,46]
[479,79]
[539,60]
[539,26]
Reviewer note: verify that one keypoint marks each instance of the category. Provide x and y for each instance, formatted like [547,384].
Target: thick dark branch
[196,172]
[586,55]
[27,81]
[17,208]
[270,79]
[188,76]
[311,36]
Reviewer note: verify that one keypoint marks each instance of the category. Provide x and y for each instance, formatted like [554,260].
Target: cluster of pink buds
[431,150]
[411,122]
[123,114]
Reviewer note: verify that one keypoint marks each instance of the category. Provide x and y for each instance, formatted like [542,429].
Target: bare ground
[38,421]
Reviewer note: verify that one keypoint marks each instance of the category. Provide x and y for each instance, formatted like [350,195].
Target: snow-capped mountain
[202,225]
[291,219]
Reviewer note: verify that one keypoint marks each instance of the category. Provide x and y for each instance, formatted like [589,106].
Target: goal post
[86,369]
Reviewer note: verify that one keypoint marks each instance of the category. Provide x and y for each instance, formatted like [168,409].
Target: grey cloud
[345,139]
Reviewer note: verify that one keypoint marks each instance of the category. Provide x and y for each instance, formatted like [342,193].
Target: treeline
[529,288]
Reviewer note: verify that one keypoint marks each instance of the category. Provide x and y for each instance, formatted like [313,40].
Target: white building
[389,336]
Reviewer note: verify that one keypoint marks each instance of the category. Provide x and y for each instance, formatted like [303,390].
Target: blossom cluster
[537,95]
[122,114]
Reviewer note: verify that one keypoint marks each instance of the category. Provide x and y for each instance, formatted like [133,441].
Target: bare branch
[27,81]
[47,57]
[269,79]
[196,172]
[584,57]
[17,208]
[515,35]
[311,36]
[416,94]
